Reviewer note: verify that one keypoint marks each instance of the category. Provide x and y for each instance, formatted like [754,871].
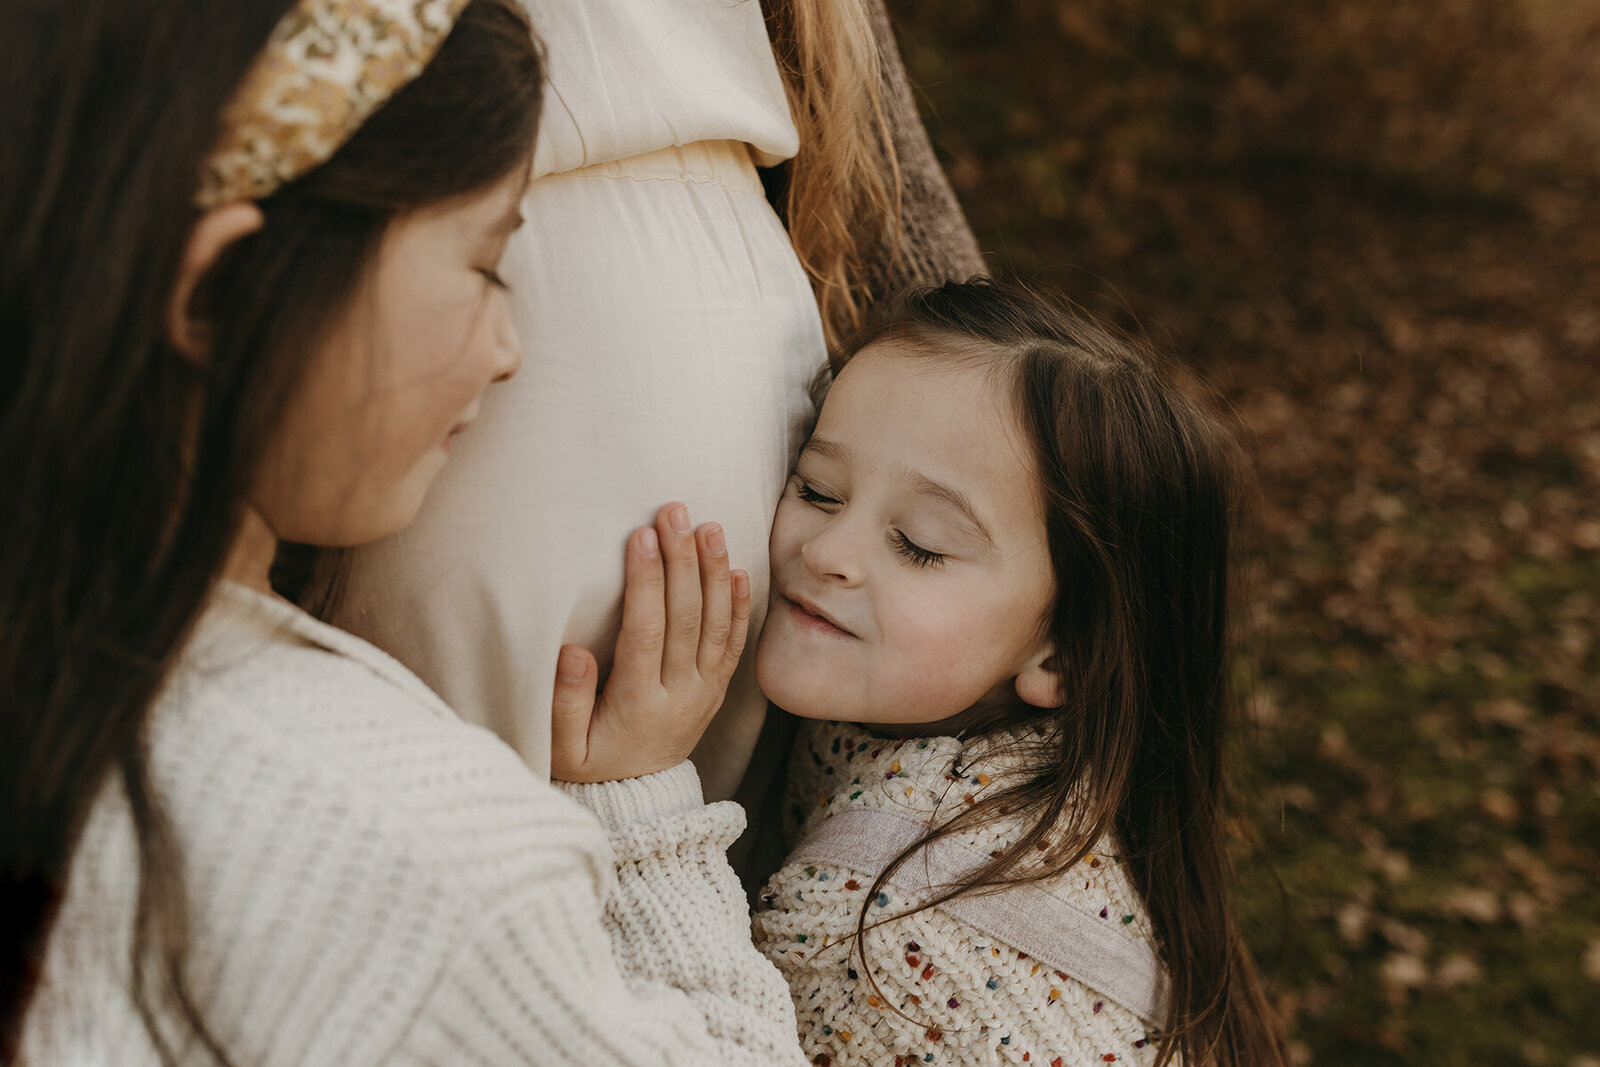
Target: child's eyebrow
[826,449]
[920,483]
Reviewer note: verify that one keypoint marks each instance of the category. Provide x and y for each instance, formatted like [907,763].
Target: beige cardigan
[371,881]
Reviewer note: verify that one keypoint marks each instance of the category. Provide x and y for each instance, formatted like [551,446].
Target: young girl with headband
[230,833]
[1001,576]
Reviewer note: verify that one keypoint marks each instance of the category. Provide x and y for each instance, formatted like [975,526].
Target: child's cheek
[941,660]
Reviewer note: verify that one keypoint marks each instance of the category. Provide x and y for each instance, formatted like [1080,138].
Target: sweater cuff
[629,800]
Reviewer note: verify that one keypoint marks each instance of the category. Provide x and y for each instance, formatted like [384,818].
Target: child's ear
[1039,683]
[213,234]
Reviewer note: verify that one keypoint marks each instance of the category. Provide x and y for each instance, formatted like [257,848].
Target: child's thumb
[571,709]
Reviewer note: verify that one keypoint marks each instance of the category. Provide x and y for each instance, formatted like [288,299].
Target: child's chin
[792,702]
[794,699]
[821,714]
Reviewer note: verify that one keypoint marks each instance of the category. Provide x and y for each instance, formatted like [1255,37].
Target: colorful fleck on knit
[936,990]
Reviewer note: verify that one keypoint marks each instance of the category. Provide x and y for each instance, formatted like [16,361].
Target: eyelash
[914,553]
[908,549]
[811,496]
[495,280]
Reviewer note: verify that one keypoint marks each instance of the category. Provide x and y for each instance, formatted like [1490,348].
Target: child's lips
[809,615]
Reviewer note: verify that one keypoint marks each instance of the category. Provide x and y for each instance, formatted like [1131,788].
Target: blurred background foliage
[1372,226]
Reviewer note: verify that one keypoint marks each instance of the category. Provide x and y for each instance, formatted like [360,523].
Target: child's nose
[833,553]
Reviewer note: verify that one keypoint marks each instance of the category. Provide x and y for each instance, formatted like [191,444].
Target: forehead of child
[934,411]
[952,374]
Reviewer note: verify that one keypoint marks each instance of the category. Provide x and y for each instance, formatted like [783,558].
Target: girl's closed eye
[495,279]
[913,552]
[812,496]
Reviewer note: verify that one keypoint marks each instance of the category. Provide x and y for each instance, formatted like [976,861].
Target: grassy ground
[1372,225]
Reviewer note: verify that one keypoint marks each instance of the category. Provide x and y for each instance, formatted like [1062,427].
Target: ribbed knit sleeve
[678,921]
[371,881]
[661,972]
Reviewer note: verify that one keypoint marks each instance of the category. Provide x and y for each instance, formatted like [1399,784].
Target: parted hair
[1140,481]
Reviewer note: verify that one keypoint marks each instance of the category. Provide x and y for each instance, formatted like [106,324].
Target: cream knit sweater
[946,992]
[372,881]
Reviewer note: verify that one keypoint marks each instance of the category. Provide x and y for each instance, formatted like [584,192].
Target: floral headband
[327,67]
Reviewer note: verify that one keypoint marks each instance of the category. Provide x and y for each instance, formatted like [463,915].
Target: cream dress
[670,334]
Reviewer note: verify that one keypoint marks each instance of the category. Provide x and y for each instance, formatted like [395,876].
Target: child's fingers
[716,600]
[740,630]
[571,710]
[644,613]
[682,564]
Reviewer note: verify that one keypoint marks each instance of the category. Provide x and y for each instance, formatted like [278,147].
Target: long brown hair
[126,467]
[1139,482]
[841,197]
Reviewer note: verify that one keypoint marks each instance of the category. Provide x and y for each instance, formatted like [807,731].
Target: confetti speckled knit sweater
[946,992]
[371,881]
